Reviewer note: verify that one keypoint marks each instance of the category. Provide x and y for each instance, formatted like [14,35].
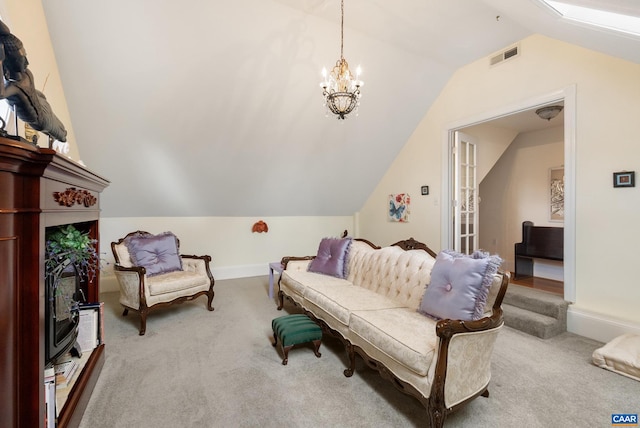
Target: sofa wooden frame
[143,308]
[446,329]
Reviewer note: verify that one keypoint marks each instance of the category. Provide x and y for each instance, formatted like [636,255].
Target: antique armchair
[152,273]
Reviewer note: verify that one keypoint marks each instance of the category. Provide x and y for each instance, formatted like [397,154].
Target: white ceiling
[210,108]
[528,120]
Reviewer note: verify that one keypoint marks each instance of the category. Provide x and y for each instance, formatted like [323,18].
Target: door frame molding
[568,96]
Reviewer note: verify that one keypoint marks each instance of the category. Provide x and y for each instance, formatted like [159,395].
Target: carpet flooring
[196,368]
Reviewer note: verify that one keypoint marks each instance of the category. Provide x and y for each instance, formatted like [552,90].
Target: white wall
[26,21]
[236,251]
[608,102]
[516,190]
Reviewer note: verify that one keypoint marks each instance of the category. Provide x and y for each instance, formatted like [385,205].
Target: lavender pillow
[157,253]
[459,285]
[332,257]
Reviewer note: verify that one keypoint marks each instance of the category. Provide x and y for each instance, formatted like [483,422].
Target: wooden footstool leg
[285,352]
[316,344]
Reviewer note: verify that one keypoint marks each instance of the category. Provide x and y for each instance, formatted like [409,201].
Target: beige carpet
[196,368]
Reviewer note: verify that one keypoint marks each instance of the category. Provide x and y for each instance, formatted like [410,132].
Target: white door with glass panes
[465,194]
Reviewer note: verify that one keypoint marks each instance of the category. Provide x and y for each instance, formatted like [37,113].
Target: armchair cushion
[175,281]
[459,285]
[157,253]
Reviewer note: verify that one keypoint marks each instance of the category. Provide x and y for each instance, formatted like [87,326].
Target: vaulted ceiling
[210,108]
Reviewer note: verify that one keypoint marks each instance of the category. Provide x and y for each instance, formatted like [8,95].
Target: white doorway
[449,189]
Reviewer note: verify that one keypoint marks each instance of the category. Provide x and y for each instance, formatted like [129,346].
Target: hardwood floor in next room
[542,284]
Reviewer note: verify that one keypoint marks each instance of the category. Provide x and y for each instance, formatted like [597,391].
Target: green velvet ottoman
[291,330]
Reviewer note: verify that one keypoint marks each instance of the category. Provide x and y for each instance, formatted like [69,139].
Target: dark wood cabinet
[38,189]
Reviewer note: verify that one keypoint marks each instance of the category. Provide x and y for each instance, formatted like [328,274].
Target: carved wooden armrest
[189,256]
[139,269]
[285,260]
[446,328]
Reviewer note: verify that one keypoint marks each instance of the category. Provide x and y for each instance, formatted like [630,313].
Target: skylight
[600,18]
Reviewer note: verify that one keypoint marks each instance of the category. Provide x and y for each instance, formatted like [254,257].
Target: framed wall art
[399,207]
[624,179]
[556,194]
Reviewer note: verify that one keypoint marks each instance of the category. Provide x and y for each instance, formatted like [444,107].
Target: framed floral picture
[399,207]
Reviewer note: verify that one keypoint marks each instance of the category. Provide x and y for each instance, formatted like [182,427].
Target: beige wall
[236,251]
[608,102]
[27,22]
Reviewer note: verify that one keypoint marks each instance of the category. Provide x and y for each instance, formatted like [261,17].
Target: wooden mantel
[38,188]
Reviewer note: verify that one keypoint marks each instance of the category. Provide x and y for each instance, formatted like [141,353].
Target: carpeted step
[535,312]
[537,301]
[533,323]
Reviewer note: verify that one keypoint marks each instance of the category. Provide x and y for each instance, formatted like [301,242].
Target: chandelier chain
[342,30]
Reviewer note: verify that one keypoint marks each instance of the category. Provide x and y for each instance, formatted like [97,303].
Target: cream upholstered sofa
[374,311]
[152,273]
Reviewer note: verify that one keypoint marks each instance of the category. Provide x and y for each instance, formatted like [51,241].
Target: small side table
[273,267]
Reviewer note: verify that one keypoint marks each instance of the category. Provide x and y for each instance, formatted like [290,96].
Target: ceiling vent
[508,53]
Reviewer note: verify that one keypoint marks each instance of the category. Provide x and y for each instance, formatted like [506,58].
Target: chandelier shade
[340,88]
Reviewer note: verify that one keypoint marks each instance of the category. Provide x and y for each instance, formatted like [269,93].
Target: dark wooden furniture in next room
[538,242]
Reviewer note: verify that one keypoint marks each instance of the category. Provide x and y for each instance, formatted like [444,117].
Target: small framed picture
[624,179]
[424,190]
[556,193]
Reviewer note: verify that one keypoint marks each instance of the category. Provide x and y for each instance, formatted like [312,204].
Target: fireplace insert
[63,295]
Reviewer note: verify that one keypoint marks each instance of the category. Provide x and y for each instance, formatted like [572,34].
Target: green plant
[66,245]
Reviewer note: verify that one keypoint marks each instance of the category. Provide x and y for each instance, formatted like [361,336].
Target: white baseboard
[243,271]
[597,326]
[109,283]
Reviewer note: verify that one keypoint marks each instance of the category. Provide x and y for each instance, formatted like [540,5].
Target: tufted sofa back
[391,271]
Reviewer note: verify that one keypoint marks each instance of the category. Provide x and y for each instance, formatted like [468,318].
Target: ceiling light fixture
[549,112]
[341,90]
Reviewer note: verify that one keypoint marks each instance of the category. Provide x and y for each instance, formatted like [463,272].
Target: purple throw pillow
[459,285]
[157,253]
[332,257]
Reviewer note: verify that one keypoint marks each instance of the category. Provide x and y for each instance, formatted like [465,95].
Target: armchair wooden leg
[210,295]
[435,406]
[125,312]
[143,322]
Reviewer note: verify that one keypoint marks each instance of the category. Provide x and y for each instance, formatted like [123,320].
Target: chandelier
[341,90]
